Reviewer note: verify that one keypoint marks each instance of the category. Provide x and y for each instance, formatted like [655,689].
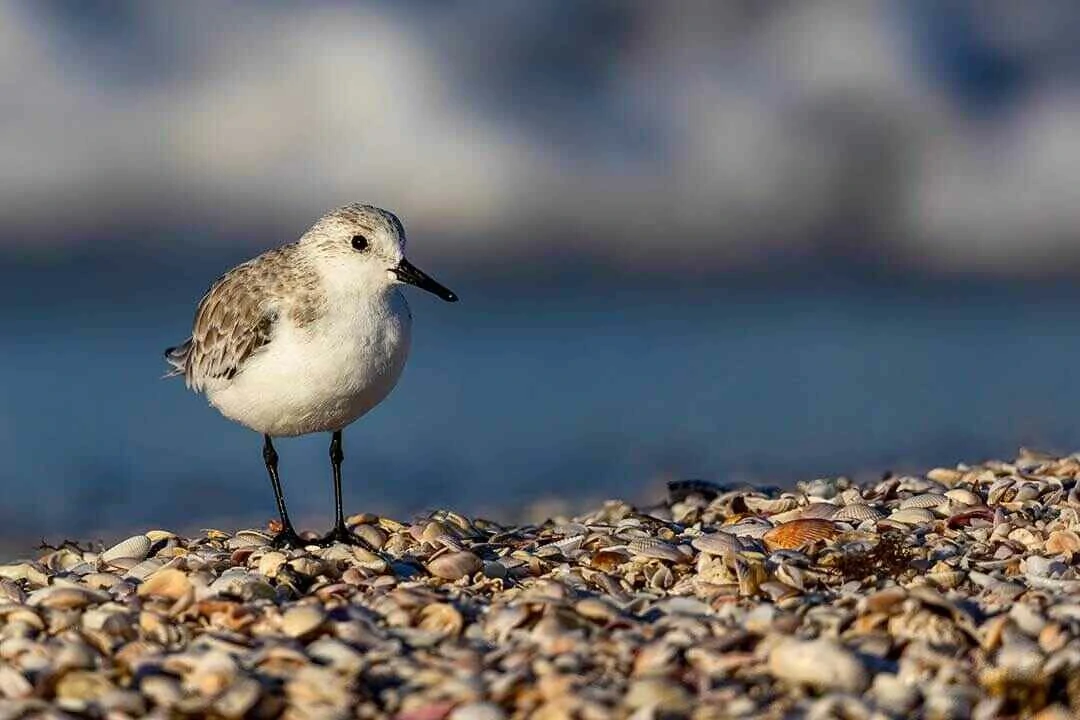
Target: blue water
[522,393]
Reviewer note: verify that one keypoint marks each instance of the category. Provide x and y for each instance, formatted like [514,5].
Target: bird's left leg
[340,533]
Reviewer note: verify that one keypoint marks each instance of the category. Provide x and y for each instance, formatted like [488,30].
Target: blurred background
[737,240]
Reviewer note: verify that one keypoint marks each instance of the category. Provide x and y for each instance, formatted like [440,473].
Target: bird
[307,338]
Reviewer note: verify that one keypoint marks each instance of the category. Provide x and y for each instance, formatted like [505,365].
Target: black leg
[340,533]
[287,537]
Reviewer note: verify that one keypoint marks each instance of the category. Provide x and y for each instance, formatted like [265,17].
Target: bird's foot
[341,534]
[288,538]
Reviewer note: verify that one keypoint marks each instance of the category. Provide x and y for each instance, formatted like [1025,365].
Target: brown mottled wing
[234,320]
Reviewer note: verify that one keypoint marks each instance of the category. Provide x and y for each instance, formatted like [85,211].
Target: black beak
[408,273]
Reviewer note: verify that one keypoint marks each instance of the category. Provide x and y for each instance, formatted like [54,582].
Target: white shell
[136,548]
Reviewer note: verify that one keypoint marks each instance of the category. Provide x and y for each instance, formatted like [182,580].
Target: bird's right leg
[288,536]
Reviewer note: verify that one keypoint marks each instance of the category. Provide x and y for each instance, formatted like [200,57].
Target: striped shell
[819,511]
[656,549]
[857,513]
[748,528]
[717,543]
[797,534]
[134,548]
[925,500]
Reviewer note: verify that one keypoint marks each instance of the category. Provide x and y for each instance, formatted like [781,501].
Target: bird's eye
[359,242]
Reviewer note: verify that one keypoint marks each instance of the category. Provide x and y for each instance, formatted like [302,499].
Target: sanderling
[307,338]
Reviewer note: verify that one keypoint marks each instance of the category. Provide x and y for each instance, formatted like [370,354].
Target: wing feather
[234,321]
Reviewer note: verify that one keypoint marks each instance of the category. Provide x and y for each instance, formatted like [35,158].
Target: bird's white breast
[323,376]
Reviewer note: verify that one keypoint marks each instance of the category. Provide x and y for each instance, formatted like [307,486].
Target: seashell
[270,563]
[308,566]
[455,565]
[373,535]
[924,500]
[824,488]
[501,620]
[477,711]
[819,511]
[1060,542]
[717,543]
[441,618]
[821,664]
[663,697]
[302,621]
[798,534]
[963,496]
[144,569]
[239,698]
[945,476]
[167,583]
[63,597]
[912,516]
[857,513]
[750,528]
[656,549]
[894,695]
[965,516]
[13,684]
[770,506]
[608,559]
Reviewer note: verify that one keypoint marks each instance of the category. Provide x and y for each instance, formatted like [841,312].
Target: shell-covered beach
[952,594]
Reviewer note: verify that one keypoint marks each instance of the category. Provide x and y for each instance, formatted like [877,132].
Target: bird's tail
[177,357]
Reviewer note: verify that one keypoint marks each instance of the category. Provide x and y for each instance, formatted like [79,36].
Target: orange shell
[799,533]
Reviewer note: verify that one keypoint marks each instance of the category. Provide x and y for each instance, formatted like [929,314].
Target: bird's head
[363,243]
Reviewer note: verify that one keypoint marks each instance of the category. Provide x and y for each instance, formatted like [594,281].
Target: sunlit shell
[912,516]
[442,619]
[963,496]
[167,583]
[717,543]
[302,621]
[857,513]
[61,597]
[455,565]
[1062,541]
[656,549]
[798,534]
[136,548]
[945,476]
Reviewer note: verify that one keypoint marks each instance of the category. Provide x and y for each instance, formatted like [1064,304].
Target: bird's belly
[308,381]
